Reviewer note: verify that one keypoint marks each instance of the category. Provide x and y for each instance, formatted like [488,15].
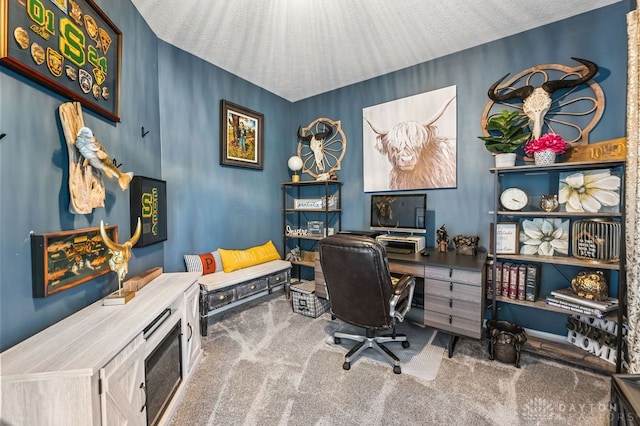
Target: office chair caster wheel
[337,340]
[405,344]
[397,370]
[346,366]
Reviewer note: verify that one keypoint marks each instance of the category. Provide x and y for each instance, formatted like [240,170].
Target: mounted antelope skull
[316,143]
[120,253]
[537,101]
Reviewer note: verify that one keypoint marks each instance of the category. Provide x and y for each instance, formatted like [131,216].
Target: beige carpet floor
[265,365]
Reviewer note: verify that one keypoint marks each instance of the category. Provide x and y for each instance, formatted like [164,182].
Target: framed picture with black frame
[242,139]
[148,201]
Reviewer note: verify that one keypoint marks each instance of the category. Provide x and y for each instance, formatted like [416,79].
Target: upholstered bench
[251,274]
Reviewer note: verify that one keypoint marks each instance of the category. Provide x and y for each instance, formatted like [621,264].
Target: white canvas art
[410,143]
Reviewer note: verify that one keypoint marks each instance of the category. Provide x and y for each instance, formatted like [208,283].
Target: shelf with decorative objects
[564,221]
[311,210]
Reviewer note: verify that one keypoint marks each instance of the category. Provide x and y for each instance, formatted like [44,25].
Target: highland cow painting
[410,143]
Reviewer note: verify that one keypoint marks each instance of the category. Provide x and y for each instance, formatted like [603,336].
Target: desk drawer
[455,325]
[252,287]
[451,274]
[457,308]
[405,268]
[452,290]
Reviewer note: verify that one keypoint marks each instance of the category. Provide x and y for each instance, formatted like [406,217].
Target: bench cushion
[233,260]
[213,282]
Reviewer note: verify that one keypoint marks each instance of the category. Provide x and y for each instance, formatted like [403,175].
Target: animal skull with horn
[536,101]
[120,253]
[316,143]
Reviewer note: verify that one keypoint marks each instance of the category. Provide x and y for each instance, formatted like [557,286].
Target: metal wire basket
[596,239]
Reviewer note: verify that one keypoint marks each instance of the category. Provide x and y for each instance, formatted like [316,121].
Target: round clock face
[513,199]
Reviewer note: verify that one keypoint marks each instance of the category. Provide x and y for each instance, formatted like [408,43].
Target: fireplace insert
[163,374]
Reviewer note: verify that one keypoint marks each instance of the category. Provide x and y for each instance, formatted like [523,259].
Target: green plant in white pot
[507,131]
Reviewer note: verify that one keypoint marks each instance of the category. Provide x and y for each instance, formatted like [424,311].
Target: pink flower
[550,141]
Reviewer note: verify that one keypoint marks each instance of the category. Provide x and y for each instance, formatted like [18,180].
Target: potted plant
[545,148]
[508,131]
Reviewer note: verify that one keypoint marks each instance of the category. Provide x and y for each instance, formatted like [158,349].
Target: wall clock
[514,199]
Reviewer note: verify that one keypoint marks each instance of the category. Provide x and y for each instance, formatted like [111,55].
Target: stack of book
[567,299]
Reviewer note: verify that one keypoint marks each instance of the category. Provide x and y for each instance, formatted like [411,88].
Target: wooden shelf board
[539,213]
[575,165]
[542,304]
[568,353]
[303,263]
[559,260]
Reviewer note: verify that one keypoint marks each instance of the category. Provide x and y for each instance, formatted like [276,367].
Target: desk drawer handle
[278,279]
[450,286]
[451,303]
[253,286]
[450,273]
[450,319]
[222,297]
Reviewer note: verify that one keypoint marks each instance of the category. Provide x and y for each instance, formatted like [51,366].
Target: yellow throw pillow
[237,259]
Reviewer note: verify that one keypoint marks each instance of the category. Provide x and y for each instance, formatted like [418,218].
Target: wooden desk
[453,290]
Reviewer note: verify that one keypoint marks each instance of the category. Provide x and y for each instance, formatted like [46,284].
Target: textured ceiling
[301,48]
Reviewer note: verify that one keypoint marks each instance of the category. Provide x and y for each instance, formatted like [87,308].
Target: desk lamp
[295,164]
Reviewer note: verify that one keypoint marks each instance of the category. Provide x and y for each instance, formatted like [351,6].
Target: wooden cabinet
[123,396]
[304,203]
[557,270]
[89,368]
[192,345]
[453,290]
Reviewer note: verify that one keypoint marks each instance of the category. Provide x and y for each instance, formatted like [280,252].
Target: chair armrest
[405,282]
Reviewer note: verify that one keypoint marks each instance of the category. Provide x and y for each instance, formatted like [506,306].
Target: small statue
[591,285]
[443,239]
[95,155]
[549,203]
[293,255]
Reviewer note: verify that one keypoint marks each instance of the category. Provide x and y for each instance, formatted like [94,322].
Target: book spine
[498,278]
[489,278]
[532,282]
[505,278]
[572,309]
[522,282]
[513,282]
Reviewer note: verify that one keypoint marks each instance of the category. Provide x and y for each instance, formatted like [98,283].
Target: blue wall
[177,98]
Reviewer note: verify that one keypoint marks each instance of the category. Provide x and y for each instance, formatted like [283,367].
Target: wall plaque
[68,46]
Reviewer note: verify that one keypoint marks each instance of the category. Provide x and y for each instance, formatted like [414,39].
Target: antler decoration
[120,253]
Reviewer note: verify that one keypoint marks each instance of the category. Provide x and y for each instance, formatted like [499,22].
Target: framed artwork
[242,140]
[506,237]
[62,260]
[589,191]
[148,201]
[68,46]
[544,237]
[410,143]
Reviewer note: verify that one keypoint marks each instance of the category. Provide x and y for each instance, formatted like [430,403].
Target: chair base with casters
[374,342]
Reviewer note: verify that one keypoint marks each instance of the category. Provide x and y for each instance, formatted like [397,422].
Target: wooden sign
[68,46]
[615,149]
[66,259]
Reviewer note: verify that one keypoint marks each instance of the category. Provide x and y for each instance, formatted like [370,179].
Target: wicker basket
[506,341]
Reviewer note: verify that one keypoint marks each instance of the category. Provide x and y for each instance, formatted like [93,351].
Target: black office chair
[362,293]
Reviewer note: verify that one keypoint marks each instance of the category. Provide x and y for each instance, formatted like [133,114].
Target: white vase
[506,159]
[545,157]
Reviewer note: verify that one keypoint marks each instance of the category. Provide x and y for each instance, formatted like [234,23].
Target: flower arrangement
[551,141]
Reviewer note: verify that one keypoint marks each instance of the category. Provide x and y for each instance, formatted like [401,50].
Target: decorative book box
[305,301]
